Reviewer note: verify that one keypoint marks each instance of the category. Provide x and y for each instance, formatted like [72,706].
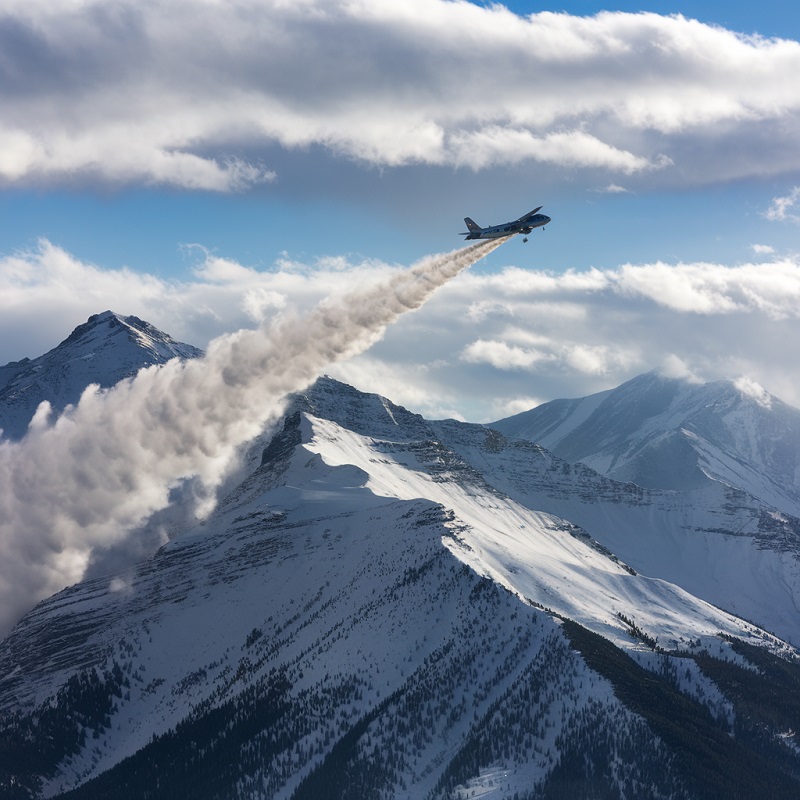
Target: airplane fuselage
[510,228]
[524,224]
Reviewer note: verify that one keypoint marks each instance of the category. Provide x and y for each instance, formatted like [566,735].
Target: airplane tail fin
[472,226]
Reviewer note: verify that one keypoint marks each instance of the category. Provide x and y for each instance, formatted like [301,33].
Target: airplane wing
[527,216]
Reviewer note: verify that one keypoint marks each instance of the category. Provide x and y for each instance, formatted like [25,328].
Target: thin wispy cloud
[613,188]
[786,208]
[197,95]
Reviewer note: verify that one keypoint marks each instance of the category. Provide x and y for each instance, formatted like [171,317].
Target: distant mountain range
[387,606]
[673,434]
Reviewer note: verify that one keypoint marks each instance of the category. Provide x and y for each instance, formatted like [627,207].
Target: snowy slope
[385,606]
[718,543]
[352,597]
[381,581]
[721,544]
[103,350]
[668,433]
[533,553]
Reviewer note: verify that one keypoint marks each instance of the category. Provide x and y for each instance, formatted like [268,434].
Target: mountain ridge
[384,605]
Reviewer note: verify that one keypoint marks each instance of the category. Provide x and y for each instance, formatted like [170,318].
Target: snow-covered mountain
[103,350]
[676,434]
[386,606]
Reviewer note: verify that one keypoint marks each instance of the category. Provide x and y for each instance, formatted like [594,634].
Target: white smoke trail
[109,462]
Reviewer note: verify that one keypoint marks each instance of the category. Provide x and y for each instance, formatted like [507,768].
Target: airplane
[524,224]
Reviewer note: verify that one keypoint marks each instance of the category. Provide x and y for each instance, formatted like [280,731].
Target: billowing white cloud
[581,357]
[198,94]
[772,289]
[501,145]
[504,355]
[674,367]
[548,335]
[482,341]
[45,292]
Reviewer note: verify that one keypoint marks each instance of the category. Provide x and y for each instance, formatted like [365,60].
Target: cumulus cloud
[675,367]
[716,289]
[480,342]
[45,291]
[549,335]
[197,94]
[579,356]
[503,145]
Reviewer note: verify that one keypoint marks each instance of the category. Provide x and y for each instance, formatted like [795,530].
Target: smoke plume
[105,465]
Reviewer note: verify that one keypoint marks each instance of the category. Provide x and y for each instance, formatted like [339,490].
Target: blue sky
[206,166]
[769,18]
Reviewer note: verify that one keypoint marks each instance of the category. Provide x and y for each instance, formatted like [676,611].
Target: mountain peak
[365,413]
[104,326]
[103,350]
[673,433]
[95,320]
